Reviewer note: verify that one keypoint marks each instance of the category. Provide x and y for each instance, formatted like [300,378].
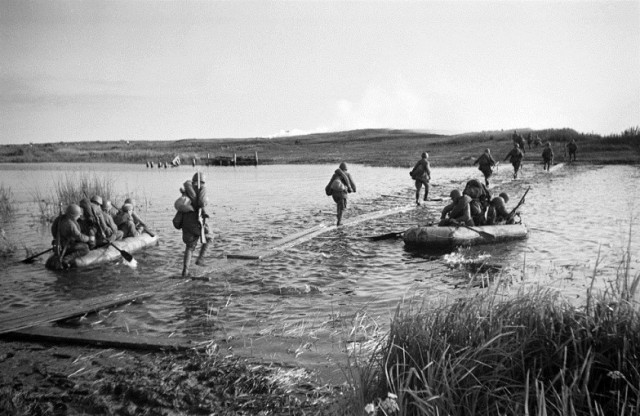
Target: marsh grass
[70,189]
[528,353]
[7,247]
[6,202]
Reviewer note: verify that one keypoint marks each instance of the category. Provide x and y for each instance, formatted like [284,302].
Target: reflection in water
[575,214]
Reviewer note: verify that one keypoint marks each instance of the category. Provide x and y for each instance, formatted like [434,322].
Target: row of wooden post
[233,161]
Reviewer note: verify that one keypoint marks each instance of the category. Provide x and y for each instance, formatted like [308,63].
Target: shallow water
[576,215]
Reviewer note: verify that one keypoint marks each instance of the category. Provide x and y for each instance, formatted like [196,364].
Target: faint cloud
[297,132]
[396,106]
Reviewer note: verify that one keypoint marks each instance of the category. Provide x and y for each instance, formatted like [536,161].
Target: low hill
[377,147]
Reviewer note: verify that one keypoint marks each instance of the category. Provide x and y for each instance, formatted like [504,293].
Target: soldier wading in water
[340,185]
[191,217]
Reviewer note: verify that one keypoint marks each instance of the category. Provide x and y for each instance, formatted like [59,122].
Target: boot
[187,260]
[203,250]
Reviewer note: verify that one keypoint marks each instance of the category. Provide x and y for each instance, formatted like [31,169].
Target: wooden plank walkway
[306,235]
[27,324]
[556,167]
[42,314]
[101,339]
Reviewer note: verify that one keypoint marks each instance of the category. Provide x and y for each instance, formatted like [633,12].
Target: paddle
[126,255]
[386,236]
[30,259]
[482,233]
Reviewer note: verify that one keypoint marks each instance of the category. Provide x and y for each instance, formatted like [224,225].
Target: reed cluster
[71,189]
[529,353]
[7,247]
[6,202]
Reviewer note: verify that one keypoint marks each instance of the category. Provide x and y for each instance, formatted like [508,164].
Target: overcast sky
[138,70]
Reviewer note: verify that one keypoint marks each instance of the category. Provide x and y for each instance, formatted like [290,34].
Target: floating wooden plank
[306,235]
[257,254]
[270,249]
[44,314]
[556,167]
[100,338]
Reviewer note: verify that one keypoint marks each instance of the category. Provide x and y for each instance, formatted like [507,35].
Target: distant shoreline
[375,147]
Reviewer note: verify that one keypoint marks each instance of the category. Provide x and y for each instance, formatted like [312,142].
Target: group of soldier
[90,224]
[475,204]
[486,163]
[95,223]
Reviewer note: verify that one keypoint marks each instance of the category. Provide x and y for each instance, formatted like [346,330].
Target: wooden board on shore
[44,314]
[99,338]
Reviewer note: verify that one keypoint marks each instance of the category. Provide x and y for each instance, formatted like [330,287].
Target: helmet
[343,166]
[195,177]
[425,155]
[127,208]
[128,201]
[487,150]
[504,196]
[106,204]
[455,194]
[97,199]
[73,210]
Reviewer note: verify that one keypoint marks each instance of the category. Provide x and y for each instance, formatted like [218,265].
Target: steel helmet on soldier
[455,194]
[343,166]
[97,199]
[73,211]
[504,196]
[195,178]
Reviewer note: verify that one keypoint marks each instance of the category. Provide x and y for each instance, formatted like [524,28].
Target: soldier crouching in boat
[497,213]
[129,222]
[69,241]
[458,211]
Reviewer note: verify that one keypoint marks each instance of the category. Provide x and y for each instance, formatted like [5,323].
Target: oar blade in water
[388,236]
[126,255]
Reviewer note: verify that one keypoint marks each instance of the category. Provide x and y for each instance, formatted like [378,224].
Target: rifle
[513,211]
[203,237]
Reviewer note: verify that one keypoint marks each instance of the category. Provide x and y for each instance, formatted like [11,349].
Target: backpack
[183,204]
[337,186]
[177,220]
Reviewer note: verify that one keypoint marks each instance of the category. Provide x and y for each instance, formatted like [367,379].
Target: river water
[577,215]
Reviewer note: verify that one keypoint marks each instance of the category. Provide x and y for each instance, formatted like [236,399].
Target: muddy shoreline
[47,379]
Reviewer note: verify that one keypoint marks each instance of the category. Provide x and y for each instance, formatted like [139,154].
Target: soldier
[572,147]
[485,164]
[340,185]
[547,157]
[421,173]
[69,241]
[515,157]
[458,211]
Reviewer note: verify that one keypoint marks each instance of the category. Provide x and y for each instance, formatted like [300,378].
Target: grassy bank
[375,147]
[532,353]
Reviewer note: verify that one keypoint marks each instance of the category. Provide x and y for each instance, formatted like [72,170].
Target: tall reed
[6,202]
[70,189]
[531,353]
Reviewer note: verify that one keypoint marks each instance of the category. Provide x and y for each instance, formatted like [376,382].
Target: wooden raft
[42,314]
